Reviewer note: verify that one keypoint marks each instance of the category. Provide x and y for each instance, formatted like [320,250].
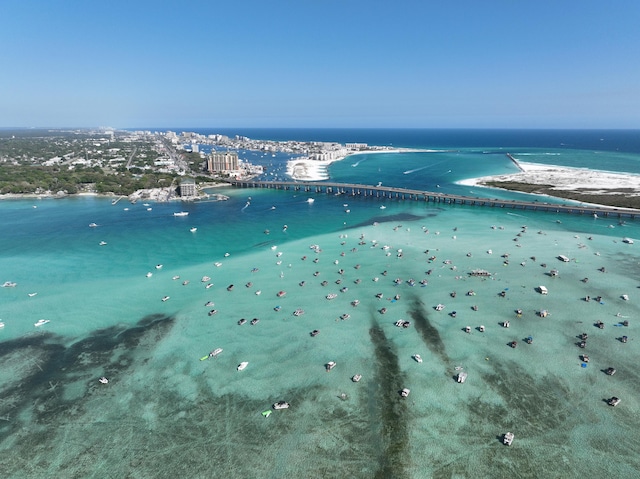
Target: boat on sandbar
[401,323]
[507,438]
[103,380]
[315,332]
[212,312]
[405,392]
[281,294]
[627,240]
[610,371]
[242,365]
[439,307]
[356,378]
[40,322]
[614,401]
[241,321]
[254,321]
[281,405]
[417,358]
[205,279]
[215,352]
[330,365]
[461,377]
[332,296]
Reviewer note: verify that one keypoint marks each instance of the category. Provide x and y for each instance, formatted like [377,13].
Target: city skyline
[320,64]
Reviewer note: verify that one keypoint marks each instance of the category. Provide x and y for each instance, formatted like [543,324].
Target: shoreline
[306,169]
[564,178]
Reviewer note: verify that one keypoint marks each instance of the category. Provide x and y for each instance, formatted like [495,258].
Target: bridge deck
[433,197]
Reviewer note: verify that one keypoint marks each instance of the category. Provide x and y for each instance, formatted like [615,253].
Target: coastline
[563,178]
[306,169]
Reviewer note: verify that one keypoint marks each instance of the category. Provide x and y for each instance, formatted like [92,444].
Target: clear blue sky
[320,63]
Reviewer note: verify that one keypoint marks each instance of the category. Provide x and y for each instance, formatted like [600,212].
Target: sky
[320,63]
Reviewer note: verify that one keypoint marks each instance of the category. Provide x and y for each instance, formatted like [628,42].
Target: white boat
[181,213]
[625,297]
[356,378]
[614,401]
[176,277]
[242,365]
[627,240]
[158,266]
[217,264]
[439,307]
[405,392]
[332,296]
[93,225]
[102,243]
[31,295]
[215,352]
[507,439]
[40,322]
[281,405]
[103,380]
[9,284]
[165,298]
[259,292]
[462,377]
[149,274]
[330,365]
[1,325]
[205,279]
[543,290]
[310,200]
[383,207]
[417,357]
[193,230]
[563,258]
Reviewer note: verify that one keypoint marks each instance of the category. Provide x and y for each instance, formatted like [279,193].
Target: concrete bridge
[386,192]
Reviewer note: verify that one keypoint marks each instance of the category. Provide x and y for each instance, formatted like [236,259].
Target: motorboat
[315,332]
[103,380]
[356,378]
[1,325]
[355,302]
[208,285]
[614,401]
[185,282]
[259,292]
[254,321]
[9,284]
[401,323]
[543,290]
[417,358]
[625,297]
[181,213]
[610,371]
[310,200]
[102,243]
[298,312]
[461,377]
[242,365]
[175,278]
[212,312]
[281,294]
[563,258]
[40,322]
[241,321]
[165,298]
[193,230]
[405,392]
[332,296]
[217,264]
[205,279]
[507,438]
[330,365]
[93,225]
[209,303]
[281,405]
[439,307]
[627,240]
[158,266]
[215,352]
[149,274]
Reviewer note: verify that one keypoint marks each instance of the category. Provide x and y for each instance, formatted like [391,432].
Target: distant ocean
[169,410]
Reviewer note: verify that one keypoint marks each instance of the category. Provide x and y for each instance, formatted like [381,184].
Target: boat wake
[408,172]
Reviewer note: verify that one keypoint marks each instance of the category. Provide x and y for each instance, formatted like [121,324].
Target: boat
[176,277]
[102,243]
[149,274]
[9,284]
[31,295]
[281,294]
[563,258]
[356,378]
[315,332]
[332,296]
[165,298]
[401,323]
[212,312]
[1,325]
[614,401]
[281,405]
[93,225]
[330,365]
[439,307]
[40,322]
[217,264]
[208,285]
[266,413]
[405,392]
[461,377]
[417,357]
[625,297]
[610,371]
[205,279]
[181,213]
[241,321]
[543,290]
[310,200]
[254,321]
[259,292]
[507,439]
[627,240]
[103,380]
[215,352]
[193,230]
[158,266]
[242,365]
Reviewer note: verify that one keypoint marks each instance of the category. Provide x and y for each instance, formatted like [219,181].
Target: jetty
[403,194]
[515,162]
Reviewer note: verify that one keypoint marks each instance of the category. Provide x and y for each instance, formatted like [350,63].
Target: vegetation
[617,199]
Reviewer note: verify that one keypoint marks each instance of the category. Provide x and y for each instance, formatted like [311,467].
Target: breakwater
[403,194]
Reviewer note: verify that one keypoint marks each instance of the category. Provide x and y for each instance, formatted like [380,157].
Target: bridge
[386,192]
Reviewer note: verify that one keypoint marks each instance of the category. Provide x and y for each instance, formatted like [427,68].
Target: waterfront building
[222,162]
[187,187]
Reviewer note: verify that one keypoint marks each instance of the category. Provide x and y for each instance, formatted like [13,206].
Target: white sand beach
[566,178]
[306,169]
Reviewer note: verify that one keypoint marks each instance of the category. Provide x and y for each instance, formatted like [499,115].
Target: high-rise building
[222,162]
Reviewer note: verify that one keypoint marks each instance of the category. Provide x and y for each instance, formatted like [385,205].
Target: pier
[403,194]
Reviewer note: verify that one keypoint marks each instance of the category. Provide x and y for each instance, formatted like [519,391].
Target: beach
[568,179]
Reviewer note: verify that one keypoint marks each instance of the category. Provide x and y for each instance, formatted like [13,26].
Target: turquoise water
[167,413]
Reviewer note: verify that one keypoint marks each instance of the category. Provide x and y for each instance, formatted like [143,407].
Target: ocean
[170,409]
